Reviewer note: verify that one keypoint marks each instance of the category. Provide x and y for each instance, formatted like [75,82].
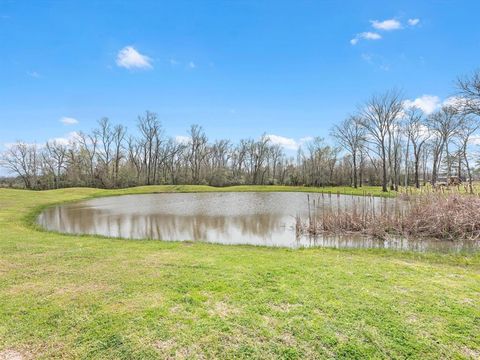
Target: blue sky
[238,68]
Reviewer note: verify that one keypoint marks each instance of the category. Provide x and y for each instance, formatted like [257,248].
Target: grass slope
[86,297]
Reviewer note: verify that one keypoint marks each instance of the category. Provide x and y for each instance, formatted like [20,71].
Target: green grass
[88,297]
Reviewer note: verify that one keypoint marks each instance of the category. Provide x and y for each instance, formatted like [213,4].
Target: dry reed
[434,215]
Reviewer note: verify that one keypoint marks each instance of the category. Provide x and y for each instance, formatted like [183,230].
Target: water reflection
[227,218]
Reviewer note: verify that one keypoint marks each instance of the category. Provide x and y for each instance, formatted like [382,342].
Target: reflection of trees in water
[163,227]
[200,227]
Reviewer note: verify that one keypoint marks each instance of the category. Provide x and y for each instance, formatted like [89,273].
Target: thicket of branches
[387,142]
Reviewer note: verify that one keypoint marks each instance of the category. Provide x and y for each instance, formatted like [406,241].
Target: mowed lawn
[90,297]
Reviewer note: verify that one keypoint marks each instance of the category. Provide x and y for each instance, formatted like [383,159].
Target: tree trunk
[354,169]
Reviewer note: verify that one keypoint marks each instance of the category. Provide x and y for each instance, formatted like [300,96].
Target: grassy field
[88,297]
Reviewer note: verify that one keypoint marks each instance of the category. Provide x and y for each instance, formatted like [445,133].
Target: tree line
[387,142]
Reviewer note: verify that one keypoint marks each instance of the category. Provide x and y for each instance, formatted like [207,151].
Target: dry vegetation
[438,215]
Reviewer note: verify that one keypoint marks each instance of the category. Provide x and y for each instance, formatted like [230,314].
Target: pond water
[255,218]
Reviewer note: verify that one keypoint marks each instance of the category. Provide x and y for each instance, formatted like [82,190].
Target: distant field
[88,297]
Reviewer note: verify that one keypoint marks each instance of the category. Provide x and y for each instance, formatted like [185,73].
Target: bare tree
[468,127]
[134,156]
[54,158]
[151,138]
[417,133]
[88,144]
[106,138]
[469,92]
[22,159]
[378,117]
[118,136]
[198,151]
[350,134]
[445,123]
[219,156]
[276,155]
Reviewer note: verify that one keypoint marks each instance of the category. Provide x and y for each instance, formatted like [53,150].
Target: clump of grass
[433,216]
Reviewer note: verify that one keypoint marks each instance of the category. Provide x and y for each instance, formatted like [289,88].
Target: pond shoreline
[225,226]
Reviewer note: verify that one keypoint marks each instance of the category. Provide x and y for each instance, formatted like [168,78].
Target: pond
[254,218]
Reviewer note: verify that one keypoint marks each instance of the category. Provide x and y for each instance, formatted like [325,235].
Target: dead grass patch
[10,354]
[470,353]
[223,310]
[285,307]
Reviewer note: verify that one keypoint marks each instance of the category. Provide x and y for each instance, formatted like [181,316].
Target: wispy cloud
[68,120]
[367,57]
[386,25]
[382,26]
[367,35]
[33,74]
[376,60]
[413,22]
[384,67]
[130,58]
[173,62]
[192,65]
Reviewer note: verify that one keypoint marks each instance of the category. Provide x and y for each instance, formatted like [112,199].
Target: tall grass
[436,215]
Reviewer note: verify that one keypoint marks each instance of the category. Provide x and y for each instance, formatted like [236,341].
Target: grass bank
[85,297]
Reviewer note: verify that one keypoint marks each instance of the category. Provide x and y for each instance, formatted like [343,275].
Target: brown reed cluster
[430,216]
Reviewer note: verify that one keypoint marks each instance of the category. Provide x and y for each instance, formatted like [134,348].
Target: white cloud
[65,140]
[192,65]
[386,25]
[413,22]
[181,139]
[130,58]
[287,143]
[68,120]
[173,62]
[368,35]
[475,140]
[305,140]
[9,145]
[461,103]
[427,103]
[456,101]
